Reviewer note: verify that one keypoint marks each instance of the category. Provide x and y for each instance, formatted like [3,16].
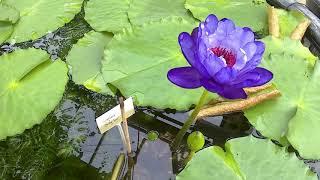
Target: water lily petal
[185,77]
[255,60]
[246,36]
[195,34]
[187,47]
[256,77]
[225,26]
[213,64]
[211,24]
[233,93]
[228,92]
[225,75]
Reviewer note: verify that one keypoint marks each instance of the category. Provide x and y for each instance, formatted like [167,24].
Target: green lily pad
[8,16]
[38,17]
[250,13]
[293,111]
[288,20]
[110,15]
[85,60]
[143,11]
[246,158]
[137,61]
[303,132]
[30,89]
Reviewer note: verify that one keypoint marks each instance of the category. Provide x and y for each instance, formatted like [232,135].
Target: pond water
[68,145]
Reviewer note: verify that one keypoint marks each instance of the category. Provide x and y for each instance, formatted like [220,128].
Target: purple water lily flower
[223,59]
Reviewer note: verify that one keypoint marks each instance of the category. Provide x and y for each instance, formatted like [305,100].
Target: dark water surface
[68,145]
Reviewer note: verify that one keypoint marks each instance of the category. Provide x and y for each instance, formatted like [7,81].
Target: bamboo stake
[234,106]
[273,19]
[299,31]
[125,125]
[302,1]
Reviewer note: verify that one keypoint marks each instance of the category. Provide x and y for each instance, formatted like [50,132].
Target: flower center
[227,55]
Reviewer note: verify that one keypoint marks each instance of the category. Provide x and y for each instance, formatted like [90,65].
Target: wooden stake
[125,125]
[273,19]
[299,31]
[239,105]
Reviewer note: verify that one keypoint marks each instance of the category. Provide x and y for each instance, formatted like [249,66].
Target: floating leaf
[137,62]
[110,15]
[288,20]
[251,13]
[31,86]
[292,67]
[246,158]
[143,11]
[85,59]
[303,131]
[8,16]
[38,17]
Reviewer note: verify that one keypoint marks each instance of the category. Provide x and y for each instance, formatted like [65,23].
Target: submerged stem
[192,119]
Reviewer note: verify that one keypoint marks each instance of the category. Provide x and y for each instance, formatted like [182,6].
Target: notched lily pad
[85,60]
[288,20]
[291,118]
[31,85]
[38,17]
[246,158]
[250,13]
[137,62]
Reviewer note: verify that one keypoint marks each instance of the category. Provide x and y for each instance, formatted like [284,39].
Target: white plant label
[113,117]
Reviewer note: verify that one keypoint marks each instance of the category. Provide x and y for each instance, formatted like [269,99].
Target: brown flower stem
[253,90]
[299,31]
[234,106]
[191,120]
[273,19]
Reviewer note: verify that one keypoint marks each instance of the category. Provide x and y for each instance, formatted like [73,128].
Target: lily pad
[38,17]
[250,13]
[303,132]
[143,11]
[8,16]
[110,15]
[246,158]
[30,88]
[85,60]
[292,68]
[137,61]
[288,20]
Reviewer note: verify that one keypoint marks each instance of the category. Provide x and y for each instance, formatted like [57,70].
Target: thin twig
[273,19]
[299,31]
[239,105]
[125,125]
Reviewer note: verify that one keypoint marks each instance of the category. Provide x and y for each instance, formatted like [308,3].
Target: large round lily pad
[137,62]
[38,17]
[246,158]
[250,13]
[290,118]
[142,11]
[31,85]
[107,15]
[85,60]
